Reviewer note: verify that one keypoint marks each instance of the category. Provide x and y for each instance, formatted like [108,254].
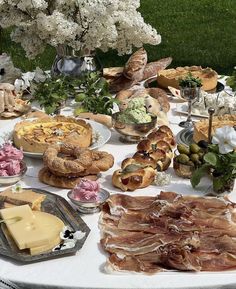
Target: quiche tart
[201,127]
[35,136]
[170,77]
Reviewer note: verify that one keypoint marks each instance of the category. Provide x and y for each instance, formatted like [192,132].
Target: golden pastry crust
[170,77]
[201,127]
[131,181]
[135,65]
[35,136]
[46,177]
[76,161]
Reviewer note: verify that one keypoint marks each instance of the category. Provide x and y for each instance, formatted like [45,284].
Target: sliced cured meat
[169,231]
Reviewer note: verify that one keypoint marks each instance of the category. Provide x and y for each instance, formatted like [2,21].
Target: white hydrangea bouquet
[79,24]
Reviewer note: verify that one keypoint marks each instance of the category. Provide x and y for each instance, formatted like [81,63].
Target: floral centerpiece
[81,25]
[220,161]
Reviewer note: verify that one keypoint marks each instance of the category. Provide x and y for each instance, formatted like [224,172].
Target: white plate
[101,134]
[183,109]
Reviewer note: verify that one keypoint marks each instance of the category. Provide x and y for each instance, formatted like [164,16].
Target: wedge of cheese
[52,226]
[37,231]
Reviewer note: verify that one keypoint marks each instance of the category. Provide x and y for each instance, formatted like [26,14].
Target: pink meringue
[8,151]
[86,191]
[10,158]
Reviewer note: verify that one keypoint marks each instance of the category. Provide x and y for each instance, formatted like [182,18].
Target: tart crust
[201,127]
[170,77]
[35,136]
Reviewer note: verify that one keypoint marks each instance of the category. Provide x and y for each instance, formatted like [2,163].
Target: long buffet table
[86,268]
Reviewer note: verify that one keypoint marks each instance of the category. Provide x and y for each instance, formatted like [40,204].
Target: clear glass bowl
[11,180]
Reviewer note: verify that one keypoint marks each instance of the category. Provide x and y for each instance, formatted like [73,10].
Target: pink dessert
[10,158]
[86,191]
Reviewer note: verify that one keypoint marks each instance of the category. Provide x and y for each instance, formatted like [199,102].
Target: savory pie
[201,127]
[171,77]
[35,136]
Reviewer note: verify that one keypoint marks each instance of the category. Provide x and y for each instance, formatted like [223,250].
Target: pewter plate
[185,136]
[54,205]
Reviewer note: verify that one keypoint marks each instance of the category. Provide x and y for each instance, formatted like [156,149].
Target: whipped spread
[10,158]
[136,112]
[86,191]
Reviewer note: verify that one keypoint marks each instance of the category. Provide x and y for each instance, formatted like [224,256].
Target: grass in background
[193,32]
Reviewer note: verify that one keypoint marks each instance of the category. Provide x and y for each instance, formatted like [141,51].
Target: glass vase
[71,63]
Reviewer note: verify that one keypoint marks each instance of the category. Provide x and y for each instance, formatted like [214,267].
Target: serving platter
[54,205]
[101,135]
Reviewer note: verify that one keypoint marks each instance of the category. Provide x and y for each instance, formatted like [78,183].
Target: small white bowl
[89,207]
[11,180]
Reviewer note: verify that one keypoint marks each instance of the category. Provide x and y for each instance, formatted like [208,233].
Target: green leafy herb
[231,81]
[51,93]
[221,165]
[93,95]
[190,81]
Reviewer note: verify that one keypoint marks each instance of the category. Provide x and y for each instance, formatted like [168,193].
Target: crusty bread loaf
[135,65]
[152,68]
[98,117]
[131,181]
[46,177]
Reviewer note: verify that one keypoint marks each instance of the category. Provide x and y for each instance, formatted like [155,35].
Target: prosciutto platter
[168,232]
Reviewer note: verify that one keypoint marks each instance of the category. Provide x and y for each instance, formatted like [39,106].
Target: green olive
[194,158]
[194,148]
[182,158]
[183,149]
[190,163]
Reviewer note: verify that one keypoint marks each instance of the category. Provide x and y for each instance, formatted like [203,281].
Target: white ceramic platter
[101,135]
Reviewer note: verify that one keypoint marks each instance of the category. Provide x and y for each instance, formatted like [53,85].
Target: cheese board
[56,206]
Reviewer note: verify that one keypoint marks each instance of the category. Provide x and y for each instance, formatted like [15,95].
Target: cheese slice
[35,229]
[53,226]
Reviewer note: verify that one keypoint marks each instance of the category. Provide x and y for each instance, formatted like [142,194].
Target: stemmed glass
[189,93]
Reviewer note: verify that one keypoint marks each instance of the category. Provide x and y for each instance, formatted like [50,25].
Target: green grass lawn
[193,32]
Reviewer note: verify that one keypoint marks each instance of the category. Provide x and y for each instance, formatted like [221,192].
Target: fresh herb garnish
[190,81]
[94,95]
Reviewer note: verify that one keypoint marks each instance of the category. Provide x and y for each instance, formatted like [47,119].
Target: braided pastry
[153,154]
[137,179]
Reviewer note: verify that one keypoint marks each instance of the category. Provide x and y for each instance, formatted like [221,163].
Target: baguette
[101,118]
[135,65]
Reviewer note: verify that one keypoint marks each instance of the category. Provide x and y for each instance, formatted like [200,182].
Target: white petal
[225,148]
[216,140]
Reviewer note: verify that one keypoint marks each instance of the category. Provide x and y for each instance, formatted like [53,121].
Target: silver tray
[185,136]
[59,207]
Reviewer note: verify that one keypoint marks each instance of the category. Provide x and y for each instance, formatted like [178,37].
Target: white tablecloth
[85,269]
